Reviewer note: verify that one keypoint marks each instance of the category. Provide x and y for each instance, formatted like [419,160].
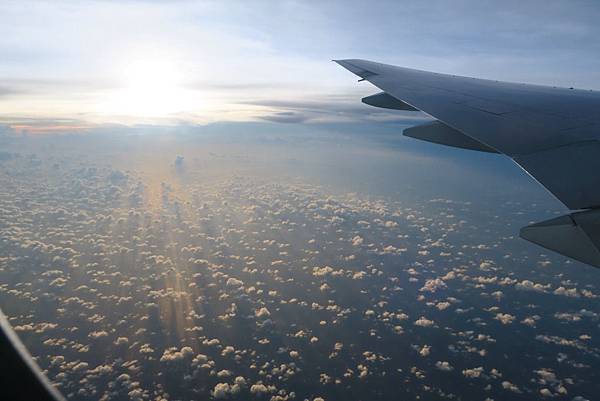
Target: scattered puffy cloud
[504,318]
[531,286]
[570,292]
[510,387]
[425,351]
[221,390]
[357,240]
[473,373]
[444,365]
[424,322]
[262,312]
[173,354]
[246,284]
[433,285]
[259,389]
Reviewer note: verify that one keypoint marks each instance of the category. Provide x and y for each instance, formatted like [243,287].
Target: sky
[70,65]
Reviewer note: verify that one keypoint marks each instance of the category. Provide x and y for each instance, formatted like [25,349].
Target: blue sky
[77,64]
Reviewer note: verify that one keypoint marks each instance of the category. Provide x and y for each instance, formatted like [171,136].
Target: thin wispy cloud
[199,62]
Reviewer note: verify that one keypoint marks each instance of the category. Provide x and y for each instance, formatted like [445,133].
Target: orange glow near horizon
[48,129]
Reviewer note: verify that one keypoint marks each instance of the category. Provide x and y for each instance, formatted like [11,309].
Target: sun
[149,88]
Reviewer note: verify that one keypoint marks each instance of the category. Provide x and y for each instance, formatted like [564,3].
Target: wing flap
[440,133]
[386,101]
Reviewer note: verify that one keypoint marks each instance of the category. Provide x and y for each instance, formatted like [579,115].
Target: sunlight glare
[149,88]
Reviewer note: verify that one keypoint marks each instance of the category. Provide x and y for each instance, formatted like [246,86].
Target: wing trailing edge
[439,133]
[387,101]
[570,172]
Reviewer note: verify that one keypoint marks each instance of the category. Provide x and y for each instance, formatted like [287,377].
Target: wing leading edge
[552,133]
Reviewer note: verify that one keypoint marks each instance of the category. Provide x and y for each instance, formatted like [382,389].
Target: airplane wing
[552,133]
[20,377]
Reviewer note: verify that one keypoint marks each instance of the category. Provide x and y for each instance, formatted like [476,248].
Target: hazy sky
[74,63]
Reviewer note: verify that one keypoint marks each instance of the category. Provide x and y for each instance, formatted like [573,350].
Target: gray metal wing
[552,133]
